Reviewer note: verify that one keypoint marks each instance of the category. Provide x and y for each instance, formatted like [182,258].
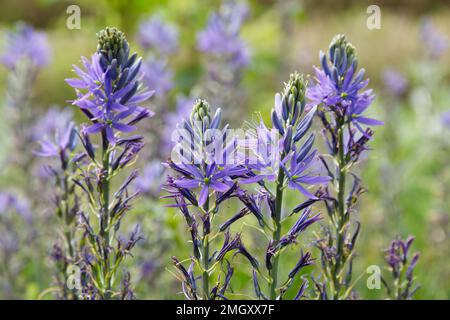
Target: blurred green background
[407,173]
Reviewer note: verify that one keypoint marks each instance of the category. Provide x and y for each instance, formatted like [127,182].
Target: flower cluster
[27,51]
[25,43]
[395,82]
[59,141]
[401,266]
[435,43]
[291,168]
[111,100]
[221,36]
[225,56]
[339,86]
[155,34]
[339,93]
[112,90]
[200,185]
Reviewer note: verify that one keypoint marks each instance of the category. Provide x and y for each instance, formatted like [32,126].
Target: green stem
[340,216]
[276,234]
[67,222]
[205,258]
[105,219]
[397,284]
[67,232]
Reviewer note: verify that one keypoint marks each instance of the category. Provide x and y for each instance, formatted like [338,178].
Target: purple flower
[26,43]
[402,264]
[221,36]
[112,94]
[157,75]
[435,43]
[303,222]
[299,174]
[295,157]
[56,134]
[54,121]
[340,88]
[149,181]
[9,201]
[395,82]
[398,251]
[157,35]
[445,118]
[212,177]
[63,141]
[304,261]
[203,170]
[265,150]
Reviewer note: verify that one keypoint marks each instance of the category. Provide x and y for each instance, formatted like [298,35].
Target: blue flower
[299,172]
[339,87]
[213,177]
[435,43]
[157,75]
[221,36]
[112,92]
[26,43]
[157,35]
[265,148]
[395,82]
[64,140]
[198,168]
[283,146]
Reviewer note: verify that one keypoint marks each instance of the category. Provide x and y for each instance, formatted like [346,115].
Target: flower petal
[203,195]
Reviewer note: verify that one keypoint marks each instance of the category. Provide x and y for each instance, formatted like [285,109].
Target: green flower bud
[113,44]
[340,46]
[294,93]
[201,112]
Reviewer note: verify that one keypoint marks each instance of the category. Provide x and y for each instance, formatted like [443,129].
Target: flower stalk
[290,168]
[337,92]
[114,92]
[276,233]
[194,168]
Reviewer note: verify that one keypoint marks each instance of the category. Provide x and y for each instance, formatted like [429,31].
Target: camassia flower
[212,177]
[284,160]
[210,174]
[221,35]
[112,93]
[155,34]
[26,43]
[401,265]
[339,87]
[64,140]
[298,174]
[59,141]
[339,94]
[111,99]
[196,169]
[284,146]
